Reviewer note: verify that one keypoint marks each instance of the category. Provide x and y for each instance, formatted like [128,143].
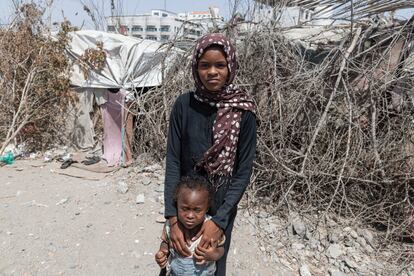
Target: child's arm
[161,257]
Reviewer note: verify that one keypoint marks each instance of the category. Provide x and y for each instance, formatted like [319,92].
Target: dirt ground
[54,224]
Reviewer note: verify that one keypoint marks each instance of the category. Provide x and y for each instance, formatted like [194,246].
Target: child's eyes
[203,66]
[206,65]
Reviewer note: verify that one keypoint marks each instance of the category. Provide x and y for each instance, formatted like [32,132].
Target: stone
[140,199]
[160,199]
[308,234]
[348,242]
[357,257]
[263,214]
[369,249]
[298,246]
[152,168]
[333,238]
[346,270]
[320,248]
[304,270]
[362,241]
[313,243]
[279,246]
[122,187]
[353,234]
[160,219]
[270,228]
[330,222]
[160,189]
[368,236]
[62,201]
[299,227]
[145,181]
[350,263]
[334,251]
[335,272]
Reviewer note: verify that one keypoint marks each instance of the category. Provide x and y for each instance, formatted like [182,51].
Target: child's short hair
[194,183]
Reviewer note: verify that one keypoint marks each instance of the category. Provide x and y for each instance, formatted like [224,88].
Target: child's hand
[162,256]
[211,254]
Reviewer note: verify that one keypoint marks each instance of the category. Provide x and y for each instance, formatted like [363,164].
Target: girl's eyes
[203,66]
[206,65]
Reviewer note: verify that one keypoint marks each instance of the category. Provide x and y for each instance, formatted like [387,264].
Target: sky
[73,9]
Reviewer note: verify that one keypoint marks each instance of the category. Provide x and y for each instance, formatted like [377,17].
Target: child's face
[192,207]
[212,69]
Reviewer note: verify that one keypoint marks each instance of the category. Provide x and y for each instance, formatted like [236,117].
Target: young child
[192,198]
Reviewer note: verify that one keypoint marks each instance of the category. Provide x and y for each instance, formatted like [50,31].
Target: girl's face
[192,207]
[212,69]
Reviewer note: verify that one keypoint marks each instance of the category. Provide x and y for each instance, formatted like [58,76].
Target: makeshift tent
[130,63]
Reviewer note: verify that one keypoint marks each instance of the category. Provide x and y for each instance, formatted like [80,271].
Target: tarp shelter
[130,63]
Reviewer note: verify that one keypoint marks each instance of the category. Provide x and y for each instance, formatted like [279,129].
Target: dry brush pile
[34,80]
[336,135]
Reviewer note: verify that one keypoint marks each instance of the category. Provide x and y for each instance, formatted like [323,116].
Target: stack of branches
[333,136]
[34,80]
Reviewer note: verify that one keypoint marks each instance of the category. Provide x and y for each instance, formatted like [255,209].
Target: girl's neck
[190,233]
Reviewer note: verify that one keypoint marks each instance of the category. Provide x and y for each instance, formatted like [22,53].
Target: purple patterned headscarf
[230,102]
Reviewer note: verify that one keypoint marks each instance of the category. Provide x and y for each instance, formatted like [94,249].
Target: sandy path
[53,224]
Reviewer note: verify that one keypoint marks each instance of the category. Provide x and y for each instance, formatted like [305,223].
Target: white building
[162,25]
[315,15]
[207,19]
[285,17]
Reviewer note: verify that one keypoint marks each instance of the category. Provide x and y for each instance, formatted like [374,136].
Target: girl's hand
[212,254]
[177,238]
[211,236]
[162,256]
